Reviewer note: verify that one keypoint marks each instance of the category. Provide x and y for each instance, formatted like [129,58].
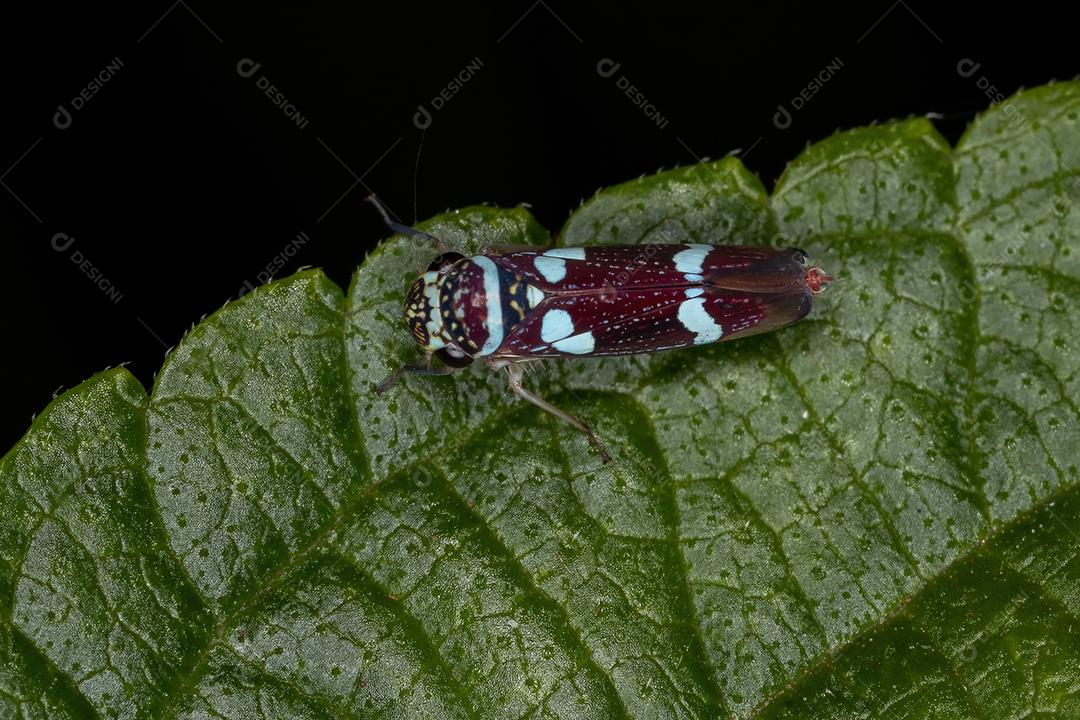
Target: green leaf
[873,513]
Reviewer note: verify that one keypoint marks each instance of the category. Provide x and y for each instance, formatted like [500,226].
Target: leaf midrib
[992,535]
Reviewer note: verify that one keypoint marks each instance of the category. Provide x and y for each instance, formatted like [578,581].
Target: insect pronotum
[511,305]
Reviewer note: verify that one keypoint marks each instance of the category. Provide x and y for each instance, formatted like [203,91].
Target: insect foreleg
[425,369]
[515,371]
[503,248]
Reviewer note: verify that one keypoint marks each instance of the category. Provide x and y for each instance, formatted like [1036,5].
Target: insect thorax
[471,305]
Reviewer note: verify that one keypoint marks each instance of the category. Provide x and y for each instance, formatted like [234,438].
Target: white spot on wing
[569,253]
[696,319]
[553,269]
[534,295]
[692,259]
[580,344]
[556,325]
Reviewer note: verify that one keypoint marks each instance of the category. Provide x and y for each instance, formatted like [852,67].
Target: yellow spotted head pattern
[422,312]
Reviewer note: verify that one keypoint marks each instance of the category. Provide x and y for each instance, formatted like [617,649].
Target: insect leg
[502,249]
[405,229]
[515,372]
[425,369]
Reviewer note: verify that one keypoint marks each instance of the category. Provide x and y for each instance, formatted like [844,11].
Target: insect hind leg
[515,371]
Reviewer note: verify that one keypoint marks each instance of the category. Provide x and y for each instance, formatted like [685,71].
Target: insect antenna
[405,229]
[416,175]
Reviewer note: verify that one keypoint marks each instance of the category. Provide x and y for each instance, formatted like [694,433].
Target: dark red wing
[602,268]
[637,320]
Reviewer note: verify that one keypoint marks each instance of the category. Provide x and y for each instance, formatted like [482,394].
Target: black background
[180,180]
